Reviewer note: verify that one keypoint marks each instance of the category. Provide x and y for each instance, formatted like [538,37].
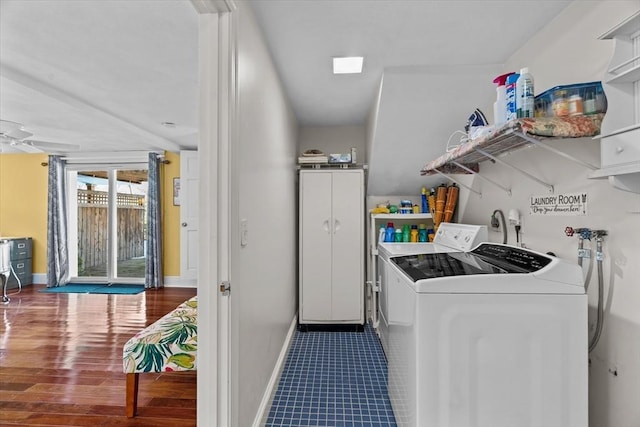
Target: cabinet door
[347,273]
[315,246]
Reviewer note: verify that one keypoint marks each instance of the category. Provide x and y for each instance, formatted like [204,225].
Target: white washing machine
[494,337]
[449,238]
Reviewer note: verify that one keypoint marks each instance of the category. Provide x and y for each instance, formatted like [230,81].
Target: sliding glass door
[107,223]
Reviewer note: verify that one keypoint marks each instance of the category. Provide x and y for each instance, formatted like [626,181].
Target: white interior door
[189,180]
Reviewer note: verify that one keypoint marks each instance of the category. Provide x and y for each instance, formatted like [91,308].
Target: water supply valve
[583,233]
[599,233]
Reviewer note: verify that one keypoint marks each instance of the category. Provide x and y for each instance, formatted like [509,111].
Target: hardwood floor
[61,361]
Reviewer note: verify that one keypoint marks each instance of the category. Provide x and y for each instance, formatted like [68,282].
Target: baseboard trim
[262,413]
[178,282]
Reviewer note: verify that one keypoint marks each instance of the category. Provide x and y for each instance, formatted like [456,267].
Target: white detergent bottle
[525,94]
[500,106]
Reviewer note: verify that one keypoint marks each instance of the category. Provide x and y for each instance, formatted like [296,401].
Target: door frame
[110,166]
[217,88]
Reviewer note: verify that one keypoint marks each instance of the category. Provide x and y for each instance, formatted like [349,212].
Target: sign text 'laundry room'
[572,204]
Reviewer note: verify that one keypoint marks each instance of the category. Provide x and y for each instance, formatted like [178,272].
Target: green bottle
[406,233]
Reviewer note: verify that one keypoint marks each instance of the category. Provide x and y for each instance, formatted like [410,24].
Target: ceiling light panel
[348,65]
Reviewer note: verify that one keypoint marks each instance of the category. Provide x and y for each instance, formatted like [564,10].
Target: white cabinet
[620,133]
[331,246]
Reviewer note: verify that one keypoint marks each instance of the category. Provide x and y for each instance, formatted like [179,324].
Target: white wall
[418,109]
[333,139]
[567,51]
[264,281]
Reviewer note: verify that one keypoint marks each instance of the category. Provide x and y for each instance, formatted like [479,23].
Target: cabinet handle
[21,265]
[336,226]
[325,226]
[21,245]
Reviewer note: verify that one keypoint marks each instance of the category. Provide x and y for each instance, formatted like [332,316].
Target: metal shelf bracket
[471,171]
[458,182]
[525,173]
[546,146]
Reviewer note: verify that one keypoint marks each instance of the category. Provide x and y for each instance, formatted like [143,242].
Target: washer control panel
[462,237]
[508,256]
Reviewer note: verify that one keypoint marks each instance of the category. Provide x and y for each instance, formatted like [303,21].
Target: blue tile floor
[336,379]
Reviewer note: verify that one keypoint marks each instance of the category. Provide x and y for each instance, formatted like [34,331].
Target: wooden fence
[92,227]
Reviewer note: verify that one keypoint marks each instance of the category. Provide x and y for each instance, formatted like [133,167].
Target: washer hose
[600,321]
[586,233]
[495,223]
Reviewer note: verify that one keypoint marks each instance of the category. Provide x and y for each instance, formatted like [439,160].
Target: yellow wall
[23,206]
[171,216]
[23,202]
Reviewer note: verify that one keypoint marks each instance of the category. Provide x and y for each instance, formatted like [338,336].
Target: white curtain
[57,250]
[153,277]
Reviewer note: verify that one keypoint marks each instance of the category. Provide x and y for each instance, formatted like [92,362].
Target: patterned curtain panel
[57,250]
[153,265]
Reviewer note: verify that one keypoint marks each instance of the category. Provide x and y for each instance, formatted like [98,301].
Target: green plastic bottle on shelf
[406,233]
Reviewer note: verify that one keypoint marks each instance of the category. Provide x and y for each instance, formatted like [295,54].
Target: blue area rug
[96,288]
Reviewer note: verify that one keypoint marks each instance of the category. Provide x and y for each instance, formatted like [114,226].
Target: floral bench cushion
[169,344]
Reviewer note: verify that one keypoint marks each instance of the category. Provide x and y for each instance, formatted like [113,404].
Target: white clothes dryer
[493,337]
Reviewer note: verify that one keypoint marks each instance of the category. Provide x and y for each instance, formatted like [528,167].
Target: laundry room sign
[568,204]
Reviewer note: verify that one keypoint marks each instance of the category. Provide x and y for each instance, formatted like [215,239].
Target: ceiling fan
[15,135]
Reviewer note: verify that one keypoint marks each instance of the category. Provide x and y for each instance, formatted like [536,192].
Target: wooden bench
[167,345]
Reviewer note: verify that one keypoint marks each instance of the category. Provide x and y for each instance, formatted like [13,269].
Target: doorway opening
[107,223]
